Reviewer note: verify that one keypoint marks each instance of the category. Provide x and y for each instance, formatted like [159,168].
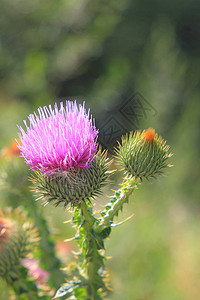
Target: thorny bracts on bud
[74,185]
[18,236]
[143,154]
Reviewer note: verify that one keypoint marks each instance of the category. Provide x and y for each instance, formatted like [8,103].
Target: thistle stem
[93,259]
[93,237]
[117,201]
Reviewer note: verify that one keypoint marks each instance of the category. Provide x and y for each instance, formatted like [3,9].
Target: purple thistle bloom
[59,139]
[41,276]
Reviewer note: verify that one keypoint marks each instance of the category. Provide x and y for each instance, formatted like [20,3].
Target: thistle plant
[18,238]
[14,186]
[60,145]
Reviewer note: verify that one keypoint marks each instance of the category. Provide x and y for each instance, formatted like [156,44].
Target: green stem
[92,233]
[93,259]
[117,201]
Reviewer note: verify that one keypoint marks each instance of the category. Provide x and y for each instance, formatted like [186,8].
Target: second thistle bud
[143,154]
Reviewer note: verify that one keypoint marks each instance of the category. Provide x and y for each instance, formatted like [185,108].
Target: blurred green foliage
[103,52]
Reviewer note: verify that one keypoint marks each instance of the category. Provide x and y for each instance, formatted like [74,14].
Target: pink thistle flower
[59,139]
[41,276]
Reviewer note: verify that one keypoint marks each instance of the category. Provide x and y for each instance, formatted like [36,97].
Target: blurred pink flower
[64,250]
[41,276]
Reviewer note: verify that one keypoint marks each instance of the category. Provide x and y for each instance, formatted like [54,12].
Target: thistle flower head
[60,145]
[143,154]
[59,138]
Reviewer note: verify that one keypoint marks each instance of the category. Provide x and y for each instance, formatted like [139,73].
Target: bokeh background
[137,65]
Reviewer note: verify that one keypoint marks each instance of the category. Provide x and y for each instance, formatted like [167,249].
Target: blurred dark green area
[137,65]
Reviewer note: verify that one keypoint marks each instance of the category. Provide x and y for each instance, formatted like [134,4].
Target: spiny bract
[18,236]
[143,154]
[74,185]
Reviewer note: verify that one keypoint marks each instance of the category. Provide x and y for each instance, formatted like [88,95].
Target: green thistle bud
[143,154]
[73,185]
[17,237]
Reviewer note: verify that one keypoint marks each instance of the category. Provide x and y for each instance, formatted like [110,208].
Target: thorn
[65,222]
[117,224]
[72,239]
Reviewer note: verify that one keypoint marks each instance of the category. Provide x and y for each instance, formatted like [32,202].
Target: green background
[105,53]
